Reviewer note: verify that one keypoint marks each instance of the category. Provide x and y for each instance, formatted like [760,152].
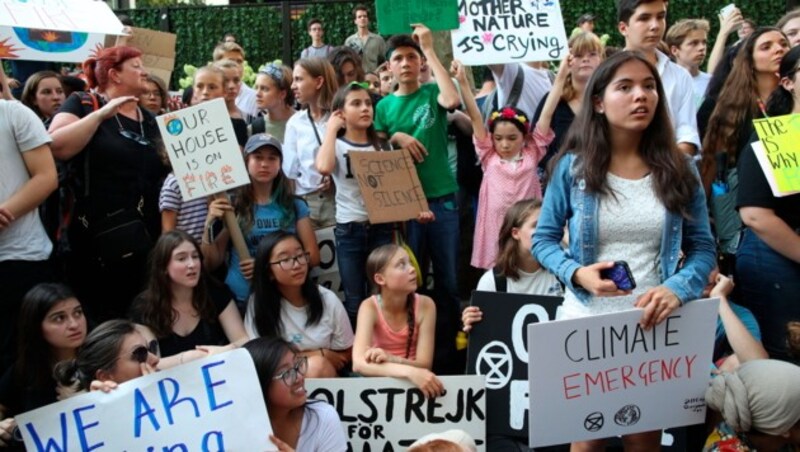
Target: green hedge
[258,26]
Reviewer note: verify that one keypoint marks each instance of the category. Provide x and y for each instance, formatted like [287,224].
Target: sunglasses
[140,353]
[133,136]
[289,376]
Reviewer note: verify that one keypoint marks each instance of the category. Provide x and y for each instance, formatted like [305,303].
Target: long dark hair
[281,194]
[154,306]
[737,103]
[377,261]
[267,295]
[99,352]
[267,353]
[589,138]
[781,101]
[508,254]
[35,357]
[339,101]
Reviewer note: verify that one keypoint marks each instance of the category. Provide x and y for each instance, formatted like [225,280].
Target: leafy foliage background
[258,26]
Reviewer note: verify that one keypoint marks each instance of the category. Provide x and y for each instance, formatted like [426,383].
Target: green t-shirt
[420,115]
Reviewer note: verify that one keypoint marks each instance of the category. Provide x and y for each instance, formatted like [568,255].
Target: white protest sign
[212,404]
[603,376]
[203,150]
[327,273]
[54,30]
[389,414]
[509,31]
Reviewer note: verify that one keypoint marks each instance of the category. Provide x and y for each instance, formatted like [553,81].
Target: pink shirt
[395,342]
[504,183]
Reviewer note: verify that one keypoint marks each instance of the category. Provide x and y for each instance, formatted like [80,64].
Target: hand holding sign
[427,382]
[422,35]
[658,303]
[415,148]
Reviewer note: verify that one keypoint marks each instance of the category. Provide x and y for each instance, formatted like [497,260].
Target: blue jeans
[354,242]
[439,241]
[769,285]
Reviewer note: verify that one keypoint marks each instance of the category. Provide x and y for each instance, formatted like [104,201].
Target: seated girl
[287,304]
[395,333]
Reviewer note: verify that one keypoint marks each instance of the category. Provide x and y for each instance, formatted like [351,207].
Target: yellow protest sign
[780,137]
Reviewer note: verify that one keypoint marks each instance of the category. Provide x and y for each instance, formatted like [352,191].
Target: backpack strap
[491,103]
[500,280]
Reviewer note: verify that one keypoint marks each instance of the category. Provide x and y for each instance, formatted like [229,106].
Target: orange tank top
[395,342]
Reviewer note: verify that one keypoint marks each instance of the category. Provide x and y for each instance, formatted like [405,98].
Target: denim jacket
[567,202]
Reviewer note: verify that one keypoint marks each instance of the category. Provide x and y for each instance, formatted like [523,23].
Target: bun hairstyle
[96,68]
[99,352]
[511,115]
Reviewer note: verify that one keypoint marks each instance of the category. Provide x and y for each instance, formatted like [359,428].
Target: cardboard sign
[497,349]
[389,184]
[389,414]
[509,31]
[327,273]
[779,156]
[158,51]
[54,30]
[215,403]
[203,150]
[396,17]
[603,375]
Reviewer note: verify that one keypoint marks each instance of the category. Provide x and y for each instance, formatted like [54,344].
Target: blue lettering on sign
[76,413]
[212,398]
[51,443]
[174,400]
[141,409]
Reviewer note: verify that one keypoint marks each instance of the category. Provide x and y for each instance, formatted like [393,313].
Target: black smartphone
[621,274]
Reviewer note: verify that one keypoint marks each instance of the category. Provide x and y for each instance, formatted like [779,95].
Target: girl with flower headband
[509,154]
[275,97]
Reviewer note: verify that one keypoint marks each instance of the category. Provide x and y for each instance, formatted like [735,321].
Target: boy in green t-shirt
[414,117]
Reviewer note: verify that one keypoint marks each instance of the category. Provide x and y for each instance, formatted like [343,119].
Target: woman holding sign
[768,260]
[297,423]
[112,144]
[627,194]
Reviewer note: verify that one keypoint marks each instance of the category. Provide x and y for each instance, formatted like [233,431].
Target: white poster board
[327,272]
[604,376]
[54,30]
[211,404]
[203,150]
[390,413]
[509,31]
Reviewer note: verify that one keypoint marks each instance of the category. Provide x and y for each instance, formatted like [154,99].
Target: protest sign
[158,51]
[500,354]
[389,414]
[603,375]
[396,17]
[54,30]
[203,150]
[509,31]
[327,273]
[779,156]
[211,404]
[389,184]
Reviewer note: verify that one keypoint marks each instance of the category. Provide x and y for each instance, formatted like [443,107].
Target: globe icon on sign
[175,127]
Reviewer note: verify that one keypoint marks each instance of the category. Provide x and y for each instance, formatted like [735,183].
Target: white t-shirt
[679,90]
[535,86]
[540,282]
[300,147]
[349,201]
[20,131]
[321,429]
[333,331]
[246,102]
[700,82]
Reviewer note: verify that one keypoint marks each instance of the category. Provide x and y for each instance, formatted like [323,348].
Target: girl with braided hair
[395,328]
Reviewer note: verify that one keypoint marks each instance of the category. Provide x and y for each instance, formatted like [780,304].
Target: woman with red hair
[111,144]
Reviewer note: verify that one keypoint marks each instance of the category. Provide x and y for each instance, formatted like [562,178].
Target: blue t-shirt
[266,218]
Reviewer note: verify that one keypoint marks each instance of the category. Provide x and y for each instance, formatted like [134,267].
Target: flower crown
[510,114]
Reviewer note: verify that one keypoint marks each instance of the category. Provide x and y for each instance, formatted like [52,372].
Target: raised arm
[554,97]
[448,94]
[71,134]
[326,158]
[478,127]
[726,27]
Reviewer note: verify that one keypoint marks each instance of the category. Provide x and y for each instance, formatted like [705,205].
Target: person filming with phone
[627,194]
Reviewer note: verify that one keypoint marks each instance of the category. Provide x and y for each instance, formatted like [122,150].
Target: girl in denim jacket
[627,194]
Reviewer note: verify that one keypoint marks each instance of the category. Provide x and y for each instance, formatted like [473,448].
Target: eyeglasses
[289,376]
[140,353]
[155,93]
[289,262]
[131,135]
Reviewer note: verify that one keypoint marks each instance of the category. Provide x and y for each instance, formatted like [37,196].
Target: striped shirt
[191,214]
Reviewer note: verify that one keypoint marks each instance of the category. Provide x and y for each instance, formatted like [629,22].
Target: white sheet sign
[604,375]
[203,150]
[211,404]
[389,414]
[508,31]
[327,272]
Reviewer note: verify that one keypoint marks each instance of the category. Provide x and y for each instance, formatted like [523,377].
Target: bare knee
[642,442]
[588,446]
[319,367]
